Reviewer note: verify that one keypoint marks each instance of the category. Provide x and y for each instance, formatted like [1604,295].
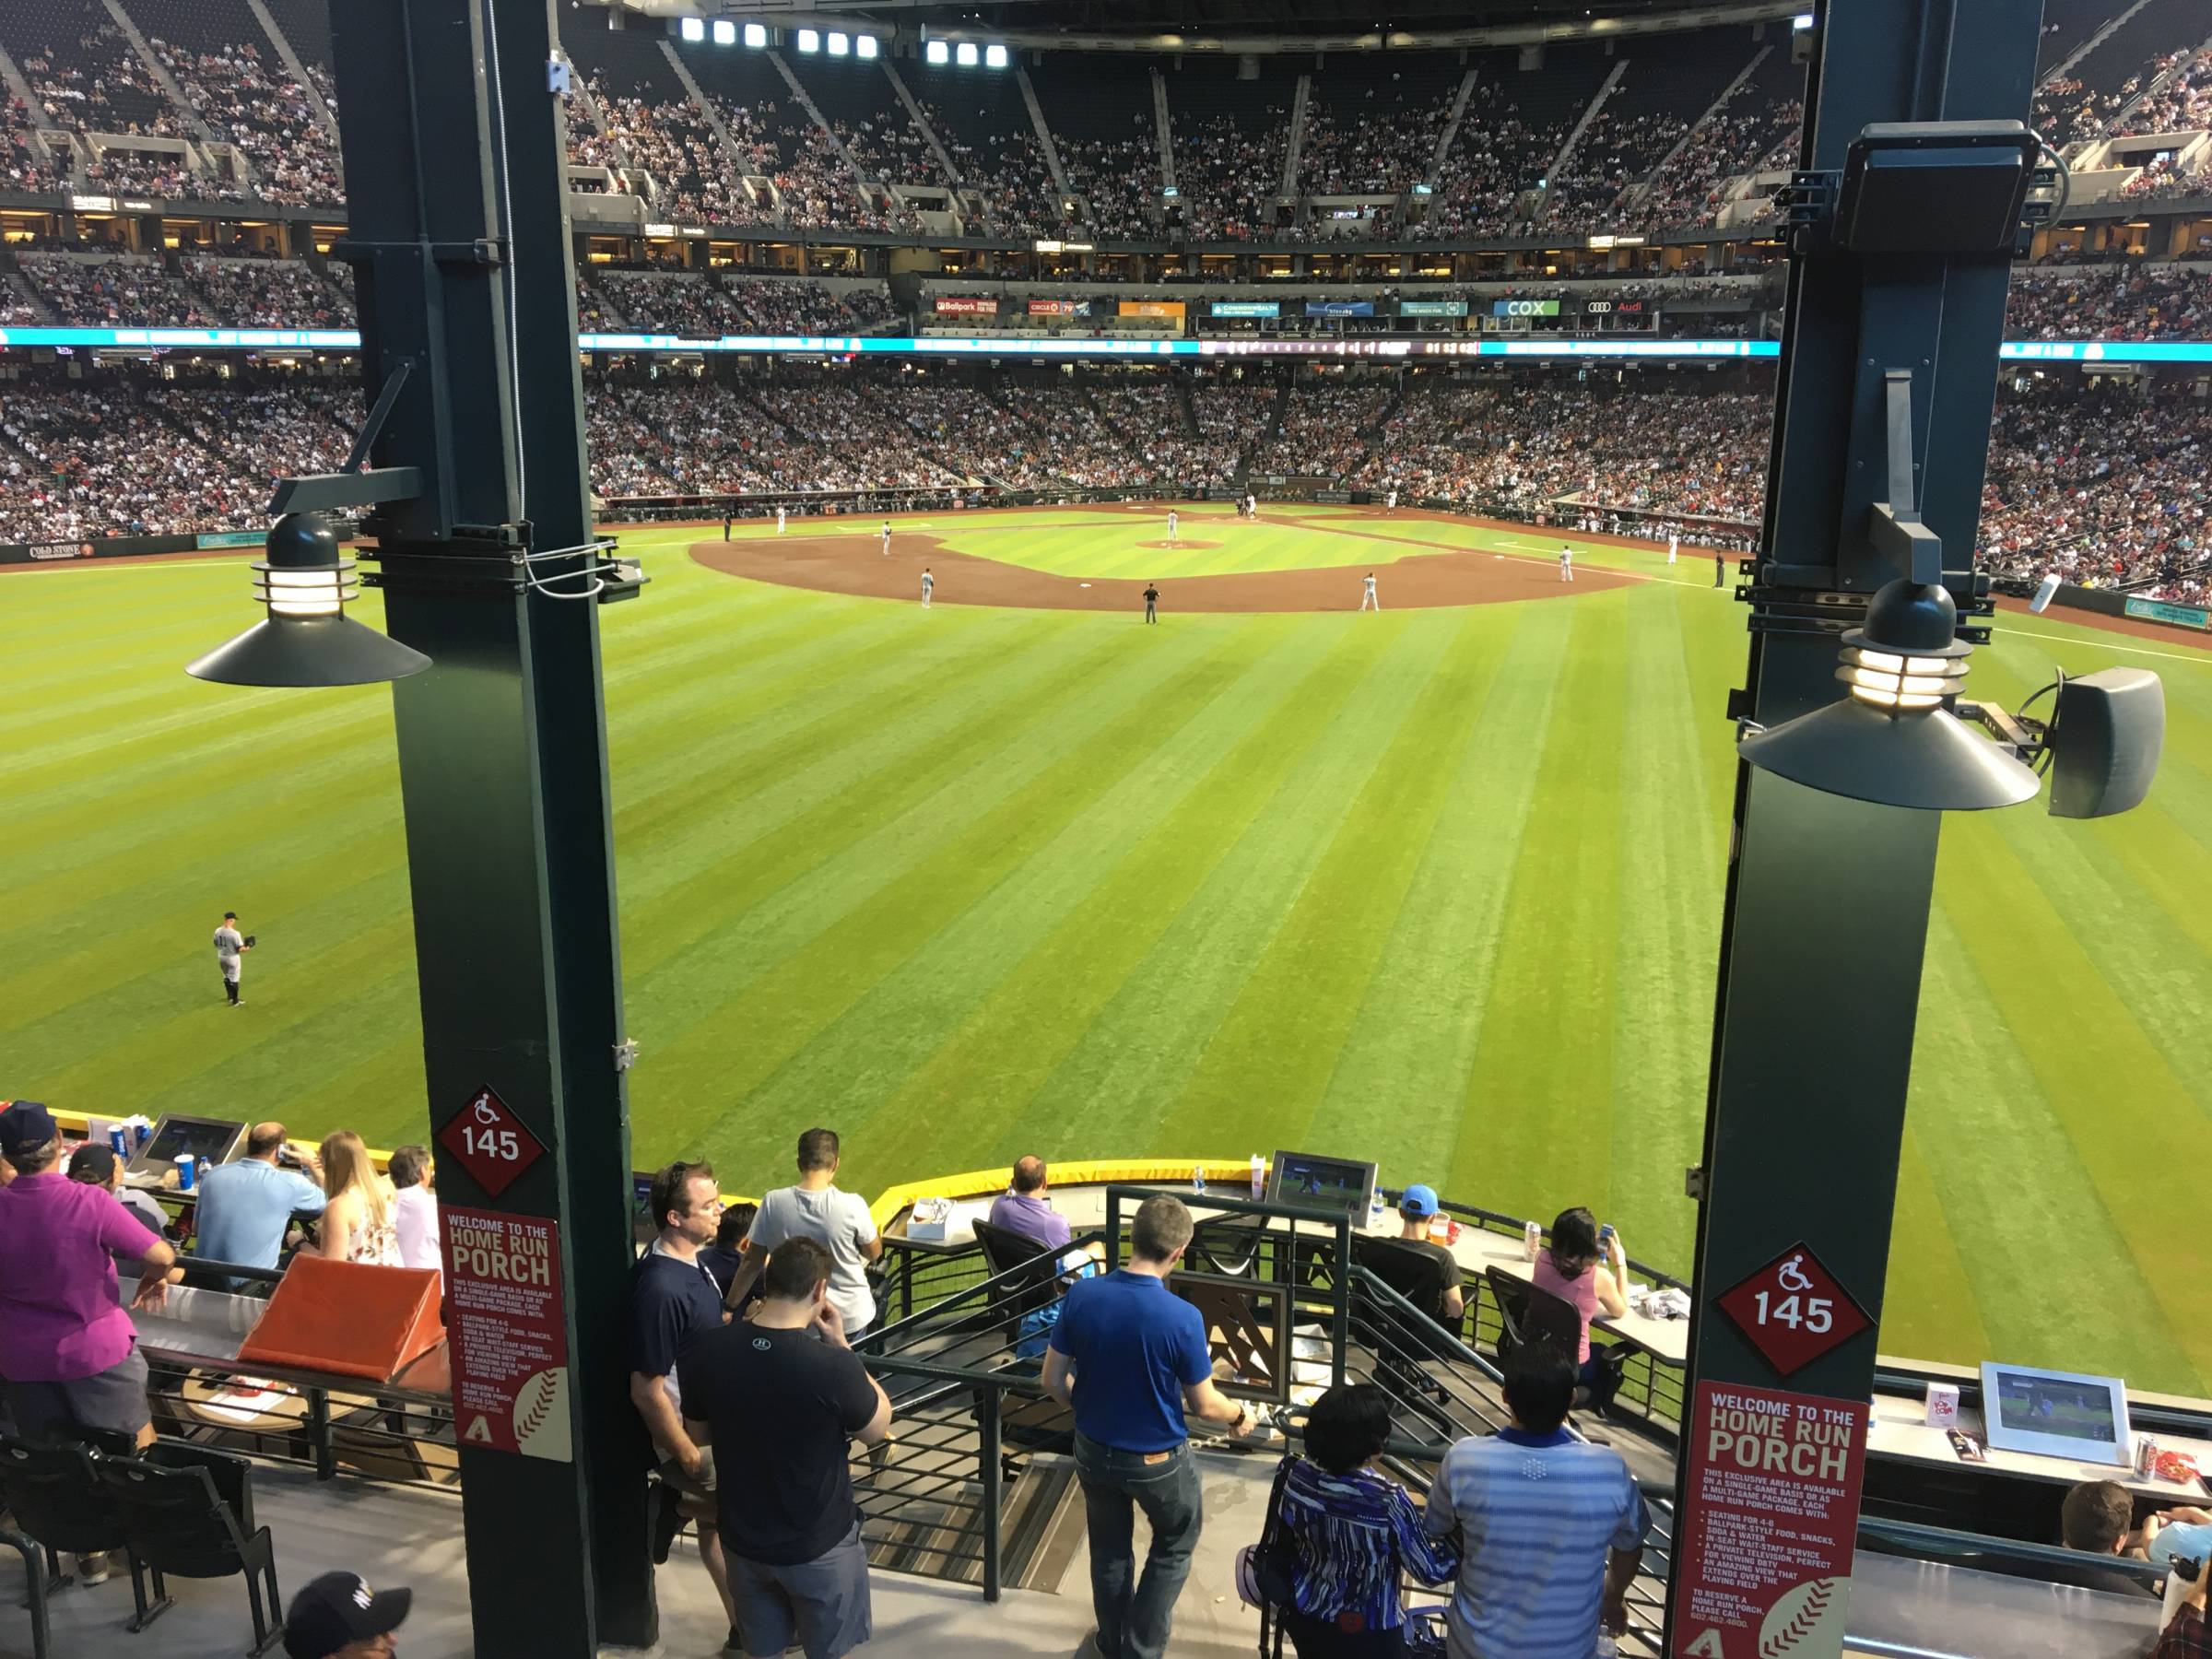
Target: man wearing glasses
[674,1301]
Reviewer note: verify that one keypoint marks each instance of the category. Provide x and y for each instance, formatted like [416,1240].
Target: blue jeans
[1134,1613]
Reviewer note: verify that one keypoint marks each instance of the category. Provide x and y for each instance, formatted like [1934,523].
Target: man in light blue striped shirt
[1537,1511]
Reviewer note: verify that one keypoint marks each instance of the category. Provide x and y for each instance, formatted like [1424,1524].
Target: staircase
[1558,162]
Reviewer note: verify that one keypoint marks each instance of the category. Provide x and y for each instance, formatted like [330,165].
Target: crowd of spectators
[703,304]
[267,293]
[1117,179]
[262,109]
[1595,190]
[1010,177]
[1325,427]
[99,84]
[2099,486]
[2101,489]
[2111,302]
[890,147]
[1750,131]
[1229,174]
[1367,151]
[1486,183]
[24,164]
[669,142]
[121,290]
[2183,105]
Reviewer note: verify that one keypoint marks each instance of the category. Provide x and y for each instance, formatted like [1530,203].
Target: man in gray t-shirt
[816,1209]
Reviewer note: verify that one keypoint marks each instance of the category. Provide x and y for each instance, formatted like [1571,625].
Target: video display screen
[1321,1182]
[2044,1404]
[208,1140]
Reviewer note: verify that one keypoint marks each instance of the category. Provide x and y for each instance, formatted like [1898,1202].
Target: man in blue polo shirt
[244,1208]
[1129,1356]
[674,1301]
[1537,1511]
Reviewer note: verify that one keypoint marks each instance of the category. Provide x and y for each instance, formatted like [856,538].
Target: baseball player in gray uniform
[230,946]
[928,582]
[1367,596]
[1565,562]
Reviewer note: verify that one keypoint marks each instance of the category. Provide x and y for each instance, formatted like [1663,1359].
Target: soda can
[2147,1457]
[116,1142]
[1534,1240]
[141,1132]
[185,1176]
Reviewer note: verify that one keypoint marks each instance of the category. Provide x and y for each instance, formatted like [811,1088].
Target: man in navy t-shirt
[1129,1356]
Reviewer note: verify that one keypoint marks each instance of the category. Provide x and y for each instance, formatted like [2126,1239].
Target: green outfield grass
[1439,886]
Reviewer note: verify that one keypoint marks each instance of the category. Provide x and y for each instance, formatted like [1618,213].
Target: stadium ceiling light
[307,638]
[810,40]
[995,57]
[965,54]
[1891,741]
[692,29]
[756,35]
[841,43]
[938,52]
[726,33]
[864,45]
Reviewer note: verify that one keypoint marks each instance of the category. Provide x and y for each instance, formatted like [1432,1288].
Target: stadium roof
[1236,25]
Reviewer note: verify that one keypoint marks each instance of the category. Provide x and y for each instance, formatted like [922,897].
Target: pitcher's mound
[1182,546]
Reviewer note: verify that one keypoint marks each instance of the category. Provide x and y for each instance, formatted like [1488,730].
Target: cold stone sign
[508,1333]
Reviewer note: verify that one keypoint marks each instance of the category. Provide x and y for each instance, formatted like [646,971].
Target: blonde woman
[359,1224]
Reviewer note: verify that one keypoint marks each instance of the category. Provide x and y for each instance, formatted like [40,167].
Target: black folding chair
[1400,1344]
[1028,1275]
[1229,1245]
[1528,1314]
[188,1510]
[56,1495]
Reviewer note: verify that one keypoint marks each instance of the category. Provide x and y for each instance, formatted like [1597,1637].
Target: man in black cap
[338,1617]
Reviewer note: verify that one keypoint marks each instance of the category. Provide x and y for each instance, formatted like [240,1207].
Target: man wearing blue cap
[1417,1208]
[68,1350]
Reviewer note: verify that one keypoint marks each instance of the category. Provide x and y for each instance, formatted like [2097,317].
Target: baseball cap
[93,1161]
[26,1124]
[337,1608]
[1418,1200]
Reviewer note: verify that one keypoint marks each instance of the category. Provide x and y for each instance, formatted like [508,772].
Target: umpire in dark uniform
[1151,603]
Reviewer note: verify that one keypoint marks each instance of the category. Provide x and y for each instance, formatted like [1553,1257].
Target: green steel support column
[455,154]
[1828,899]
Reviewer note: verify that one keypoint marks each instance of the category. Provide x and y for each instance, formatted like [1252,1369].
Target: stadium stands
[1670,82]
[1231,136]
[986,131]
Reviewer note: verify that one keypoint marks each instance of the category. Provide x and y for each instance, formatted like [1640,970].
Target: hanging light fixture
[307,638]
[1892,741]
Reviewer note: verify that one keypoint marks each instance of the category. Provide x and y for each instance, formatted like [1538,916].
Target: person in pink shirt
[1592,1276]
[69,1351]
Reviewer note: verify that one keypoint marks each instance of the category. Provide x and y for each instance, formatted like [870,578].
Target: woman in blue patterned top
[1355,1531]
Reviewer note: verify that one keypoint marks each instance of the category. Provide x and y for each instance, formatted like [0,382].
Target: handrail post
[1341,1321]
[994,1484]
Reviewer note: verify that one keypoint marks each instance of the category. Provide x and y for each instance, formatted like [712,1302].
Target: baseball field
[1018,873]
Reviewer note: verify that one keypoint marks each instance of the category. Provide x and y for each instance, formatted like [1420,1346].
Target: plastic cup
[186,1173]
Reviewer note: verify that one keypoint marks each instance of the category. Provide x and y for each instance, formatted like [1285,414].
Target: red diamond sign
[1794,1311]
[490,1142]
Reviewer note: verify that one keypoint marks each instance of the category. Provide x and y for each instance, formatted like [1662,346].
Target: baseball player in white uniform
[1390,503]
[779,521]
[1367,595]
[886,538]
[1565,562]
[928,582]
[1674,546]
[1171,523]
[230,946]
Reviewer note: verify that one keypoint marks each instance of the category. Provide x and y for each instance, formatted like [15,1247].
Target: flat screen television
[2055,1413]
[209,1140]
[1318,1182]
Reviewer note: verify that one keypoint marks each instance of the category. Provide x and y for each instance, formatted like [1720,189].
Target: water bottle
[1259,1178]
[1375,1210]
[1198,1179]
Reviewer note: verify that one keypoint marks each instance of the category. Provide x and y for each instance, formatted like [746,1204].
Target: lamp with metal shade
[1891,741]
[307,638]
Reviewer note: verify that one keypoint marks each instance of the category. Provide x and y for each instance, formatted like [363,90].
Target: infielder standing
[779,521]
[1170,523]
[1674,543]
[928,582]
[1565,562]
[1252,508]
[1390,504]
[230,946]
[1367,597]
[886,538]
